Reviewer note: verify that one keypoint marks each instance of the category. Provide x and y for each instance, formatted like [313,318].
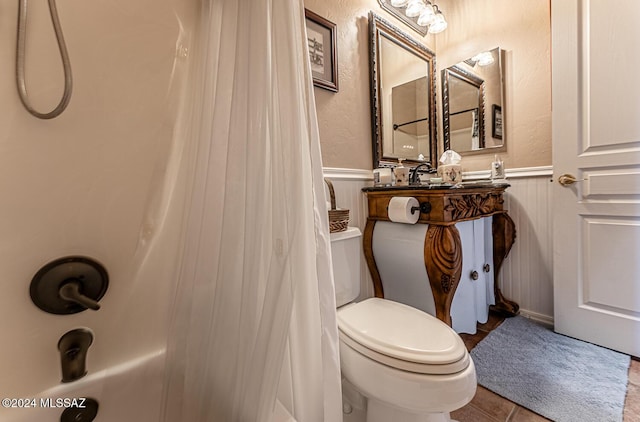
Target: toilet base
[380,412]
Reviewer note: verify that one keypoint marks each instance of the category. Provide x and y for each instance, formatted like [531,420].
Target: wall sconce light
[421,15]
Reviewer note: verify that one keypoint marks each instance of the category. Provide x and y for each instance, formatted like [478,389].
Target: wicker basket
[338,219]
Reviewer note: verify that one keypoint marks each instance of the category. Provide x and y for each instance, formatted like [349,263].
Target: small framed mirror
[472,99]
[463,109]
[403,97]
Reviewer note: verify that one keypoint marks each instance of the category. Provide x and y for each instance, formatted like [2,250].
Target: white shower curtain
[254,314]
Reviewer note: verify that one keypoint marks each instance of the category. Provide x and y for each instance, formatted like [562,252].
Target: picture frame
[496,131]
[323,56]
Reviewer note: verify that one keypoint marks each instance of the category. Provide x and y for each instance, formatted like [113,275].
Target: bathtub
[130,392]
[127,392]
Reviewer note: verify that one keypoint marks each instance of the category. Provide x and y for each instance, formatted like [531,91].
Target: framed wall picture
[321,38]
[497,122]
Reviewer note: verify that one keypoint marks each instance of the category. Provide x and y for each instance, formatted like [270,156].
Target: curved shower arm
[20,59]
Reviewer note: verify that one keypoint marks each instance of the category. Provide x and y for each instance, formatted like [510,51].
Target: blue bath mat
[558,377]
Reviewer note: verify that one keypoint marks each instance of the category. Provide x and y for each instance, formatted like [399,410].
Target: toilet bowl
[409,365]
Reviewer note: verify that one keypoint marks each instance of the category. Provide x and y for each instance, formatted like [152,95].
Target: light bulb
[414,8]
[484,59]
[399,3]
[438,24]
[426,16]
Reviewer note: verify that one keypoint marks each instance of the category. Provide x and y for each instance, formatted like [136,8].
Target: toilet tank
[346,252]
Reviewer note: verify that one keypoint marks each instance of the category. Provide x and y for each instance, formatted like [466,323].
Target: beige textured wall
[345,117]
[521,27]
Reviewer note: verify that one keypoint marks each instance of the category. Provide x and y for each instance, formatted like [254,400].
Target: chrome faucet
[73,347]
[413,177]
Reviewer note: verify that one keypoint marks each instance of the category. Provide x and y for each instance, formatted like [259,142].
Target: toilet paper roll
[400,209]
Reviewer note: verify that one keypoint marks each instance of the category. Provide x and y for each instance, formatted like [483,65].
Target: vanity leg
[367,246]
[504,235]
[443,261]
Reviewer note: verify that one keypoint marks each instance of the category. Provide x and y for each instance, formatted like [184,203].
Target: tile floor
[487,406]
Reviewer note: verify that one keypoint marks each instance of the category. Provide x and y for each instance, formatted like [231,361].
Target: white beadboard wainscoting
[527,274]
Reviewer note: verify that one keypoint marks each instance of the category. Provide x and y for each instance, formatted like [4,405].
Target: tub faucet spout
[73,347]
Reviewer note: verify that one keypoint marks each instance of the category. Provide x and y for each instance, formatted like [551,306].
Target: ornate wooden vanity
[442,208]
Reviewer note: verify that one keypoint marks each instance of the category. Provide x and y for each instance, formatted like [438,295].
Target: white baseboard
[543,319]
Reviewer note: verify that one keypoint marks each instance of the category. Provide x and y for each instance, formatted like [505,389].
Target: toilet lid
[403,337]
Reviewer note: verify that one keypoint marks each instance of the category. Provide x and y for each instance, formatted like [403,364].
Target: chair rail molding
[335,173]
[540,171]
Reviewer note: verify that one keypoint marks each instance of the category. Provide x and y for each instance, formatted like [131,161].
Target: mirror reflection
[472,93]
[410,119]
[464,127]
[403,96]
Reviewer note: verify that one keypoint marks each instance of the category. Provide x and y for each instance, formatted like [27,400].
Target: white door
[596,138]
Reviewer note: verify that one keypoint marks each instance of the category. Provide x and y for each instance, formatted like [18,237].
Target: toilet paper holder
[424,208]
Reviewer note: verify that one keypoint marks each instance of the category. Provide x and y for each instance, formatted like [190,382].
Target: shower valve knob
[71,292]
[69,285]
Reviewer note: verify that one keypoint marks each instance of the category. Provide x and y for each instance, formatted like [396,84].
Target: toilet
[404,364]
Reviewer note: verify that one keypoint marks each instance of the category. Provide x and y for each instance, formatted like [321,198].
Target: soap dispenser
[497,170]
[402,174]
